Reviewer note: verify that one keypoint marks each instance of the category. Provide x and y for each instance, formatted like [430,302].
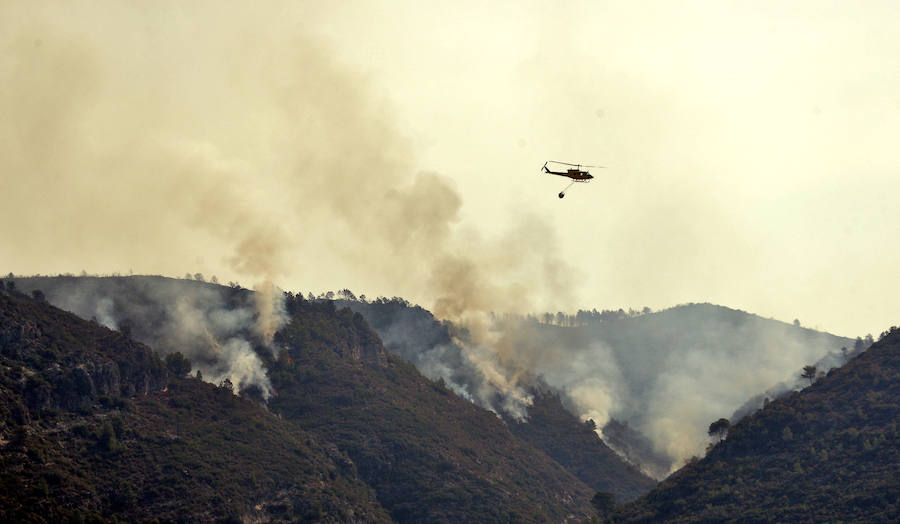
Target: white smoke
[668,375]
[271,315]
[501,390]
[592,380]
[217,328]
[105,313]
[221,352]
[240,365]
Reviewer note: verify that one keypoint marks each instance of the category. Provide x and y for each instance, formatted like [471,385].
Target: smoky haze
[228,141]
[667,374]
[216,327]
[750,148]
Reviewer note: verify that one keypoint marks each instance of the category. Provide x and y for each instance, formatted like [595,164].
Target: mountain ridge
[419,451]
[619,366]
[81,444]
[826,453]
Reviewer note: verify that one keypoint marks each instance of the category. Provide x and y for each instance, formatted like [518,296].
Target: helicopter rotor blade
[568,164]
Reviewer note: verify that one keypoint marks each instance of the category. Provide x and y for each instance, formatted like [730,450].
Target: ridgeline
[828,453]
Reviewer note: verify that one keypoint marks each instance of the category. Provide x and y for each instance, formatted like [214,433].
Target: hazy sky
[750,150]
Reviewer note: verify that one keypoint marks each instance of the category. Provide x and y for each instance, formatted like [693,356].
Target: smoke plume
[217,328]
[213,336]
[172,140]
[224,139]
[218,138]
[668,375]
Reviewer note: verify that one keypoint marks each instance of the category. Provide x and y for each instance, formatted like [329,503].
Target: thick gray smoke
[831,360]
[217,136]
[670,374]
[253,156]
[667,374]
[213,335]
[221,138]
[215,327]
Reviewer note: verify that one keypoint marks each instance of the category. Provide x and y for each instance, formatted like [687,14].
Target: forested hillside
[93,425]
[429,454]
[828,453]
[414,449]
[656,379]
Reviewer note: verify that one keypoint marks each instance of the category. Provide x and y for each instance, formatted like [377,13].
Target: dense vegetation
[96,426]
[655,365]
[828,453]
[429,454]
[414,333]
[93,426]
[350,433]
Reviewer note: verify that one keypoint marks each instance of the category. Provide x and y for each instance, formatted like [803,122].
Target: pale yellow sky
[750,150]
[750,145]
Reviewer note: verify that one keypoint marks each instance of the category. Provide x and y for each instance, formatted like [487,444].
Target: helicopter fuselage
[574,174]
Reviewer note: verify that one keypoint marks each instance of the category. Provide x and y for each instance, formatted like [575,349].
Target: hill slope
[660,376]
[679,369]
[413,333]
[427,453]
[93,424]
[827,453]
[577,447]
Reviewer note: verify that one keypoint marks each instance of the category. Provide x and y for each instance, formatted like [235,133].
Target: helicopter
[574,172]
